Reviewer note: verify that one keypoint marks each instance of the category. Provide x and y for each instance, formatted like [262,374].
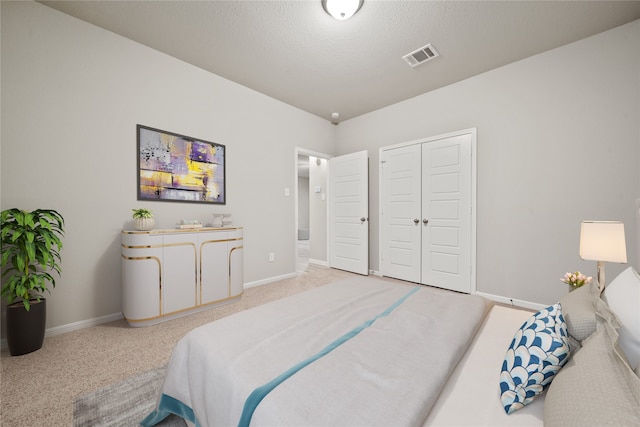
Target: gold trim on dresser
[230,277]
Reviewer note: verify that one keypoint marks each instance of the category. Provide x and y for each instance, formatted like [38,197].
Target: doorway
[311,208]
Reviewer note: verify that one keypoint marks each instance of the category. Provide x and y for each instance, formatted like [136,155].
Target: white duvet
[403,345]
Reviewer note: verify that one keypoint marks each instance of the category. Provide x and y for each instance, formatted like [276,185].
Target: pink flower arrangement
[576,279]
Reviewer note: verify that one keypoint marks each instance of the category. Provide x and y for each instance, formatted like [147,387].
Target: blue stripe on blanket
[261,392]
[169,405]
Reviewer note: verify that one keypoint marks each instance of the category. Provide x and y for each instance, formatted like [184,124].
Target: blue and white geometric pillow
[538,350]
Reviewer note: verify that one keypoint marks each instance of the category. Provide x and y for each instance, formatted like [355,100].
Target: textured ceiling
[293,51]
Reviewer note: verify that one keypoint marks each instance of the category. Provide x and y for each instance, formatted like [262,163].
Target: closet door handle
[416,220]
[425,221]
[363,219]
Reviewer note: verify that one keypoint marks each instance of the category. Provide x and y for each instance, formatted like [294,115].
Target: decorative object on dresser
[143,219]
[189,223]
[179,168]
[221,220]
[217,220]
[603,241]
[31,244]
[170,273]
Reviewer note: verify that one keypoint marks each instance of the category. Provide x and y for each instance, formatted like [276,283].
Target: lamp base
[601,278]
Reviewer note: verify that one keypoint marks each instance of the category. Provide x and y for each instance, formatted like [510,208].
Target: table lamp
[602,241]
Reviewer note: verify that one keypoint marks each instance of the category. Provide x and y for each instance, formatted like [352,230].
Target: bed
[360,352]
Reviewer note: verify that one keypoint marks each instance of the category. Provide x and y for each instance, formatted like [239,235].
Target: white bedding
[471,396]
[390,373]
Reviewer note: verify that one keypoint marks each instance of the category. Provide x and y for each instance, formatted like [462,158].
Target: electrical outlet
[272,257]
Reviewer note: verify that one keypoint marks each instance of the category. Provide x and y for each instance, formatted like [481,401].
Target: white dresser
[171,273]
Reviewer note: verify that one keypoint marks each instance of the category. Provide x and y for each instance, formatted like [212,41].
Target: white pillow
[623,297]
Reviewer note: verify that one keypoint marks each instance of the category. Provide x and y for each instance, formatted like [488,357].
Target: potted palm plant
[30,247]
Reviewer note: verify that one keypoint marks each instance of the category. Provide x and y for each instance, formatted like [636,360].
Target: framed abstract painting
[178,168]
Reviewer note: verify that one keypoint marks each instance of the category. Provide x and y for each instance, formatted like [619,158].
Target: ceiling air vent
[421,55]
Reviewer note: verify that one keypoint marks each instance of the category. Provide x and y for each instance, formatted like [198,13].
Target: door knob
[363,219]
[416,220]
[426,221]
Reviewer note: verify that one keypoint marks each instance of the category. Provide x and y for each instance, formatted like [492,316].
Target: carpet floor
[40,388]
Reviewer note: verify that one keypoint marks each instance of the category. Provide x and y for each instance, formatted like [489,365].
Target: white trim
[472,131]
[269,280]
[83,324]
[513,302]
[318,262]
[75,326]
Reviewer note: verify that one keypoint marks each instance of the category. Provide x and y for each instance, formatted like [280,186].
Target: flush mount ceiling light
[342,9]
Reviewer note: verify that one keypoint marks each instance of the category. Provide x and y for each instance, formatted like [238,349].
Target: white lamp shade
[342,9]
[603,241]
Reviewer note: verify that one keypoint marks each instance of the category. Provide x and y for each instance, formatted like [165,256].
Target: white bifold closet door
[426,212]
[401,194]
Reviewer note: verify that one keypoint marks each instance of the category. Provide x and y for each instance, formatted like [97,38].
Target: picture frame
[179,168]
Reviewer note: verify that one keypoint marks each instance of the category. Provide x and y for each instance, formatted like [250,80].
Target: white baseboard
[57,330]
[83,324]
[375,273]
[512,301]
[269,280]
[318,262]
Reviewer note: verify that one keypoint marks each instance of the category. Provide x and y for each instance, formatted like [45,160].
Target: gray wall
[558,142]
[72,95]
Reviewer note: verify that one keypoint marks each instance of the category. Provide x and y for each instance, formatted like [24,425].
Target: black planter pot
[25,329]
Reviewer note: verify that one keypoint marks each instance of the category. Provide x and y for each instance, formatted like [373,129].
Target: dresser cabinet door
[141,277]
[180,272]
[214,267]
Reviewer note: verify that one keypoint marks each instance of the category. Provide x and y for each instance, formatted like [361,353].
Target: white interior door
[349,212]
[427,211]
[446,213]
[400,216]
